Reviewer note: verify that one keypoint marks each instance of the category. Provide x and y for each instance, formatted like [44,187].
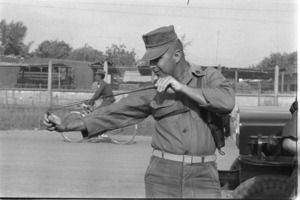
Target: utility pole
[276,81]
[50,83]
[105,67]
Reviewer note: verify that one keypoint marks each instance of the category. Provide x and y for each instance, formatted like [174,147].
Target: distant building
[133,80]
[80,72]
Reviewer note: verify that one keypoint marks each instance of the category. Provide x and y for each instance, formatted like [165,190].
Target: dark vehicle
[263,168]
[35,76]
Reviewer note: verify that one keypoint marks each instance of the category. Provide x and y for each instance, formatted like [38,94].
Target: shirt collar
[194,71]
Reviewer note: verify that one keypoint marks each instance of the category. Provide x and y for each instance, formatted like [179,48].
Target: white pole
[276,81]
[40,91]
[50,83]
[106,72]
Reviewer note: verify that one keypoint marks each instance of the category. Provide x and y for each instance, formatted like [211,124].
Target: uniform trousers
[171,179]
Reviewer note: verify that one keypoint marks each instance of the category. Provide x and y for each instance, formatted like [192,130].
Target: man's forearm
[75,125]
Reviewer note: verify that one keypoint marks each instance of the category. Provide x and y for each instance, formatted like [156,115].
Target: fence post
[59,76]
[6,98]
[259,92]
[276,81]
[40,87]
[282,82]
[50,83]
[235,80]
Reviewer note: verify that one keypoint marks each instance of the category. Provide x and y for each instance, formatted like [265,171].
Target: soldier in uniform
[102,90]
[183,164]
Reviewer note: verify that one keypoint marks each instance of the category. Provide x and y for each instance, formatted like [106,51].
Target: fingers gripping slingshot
[124,135]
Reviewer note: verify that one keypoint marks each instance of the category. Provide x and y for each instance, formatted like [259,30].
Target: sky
[231,33]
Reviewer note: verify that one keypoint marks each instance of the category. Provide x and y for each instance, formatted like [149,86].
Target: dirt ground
[40,164]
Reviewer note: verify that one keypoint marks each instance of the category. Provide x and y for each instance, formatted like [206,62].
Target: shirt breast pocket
[163,109]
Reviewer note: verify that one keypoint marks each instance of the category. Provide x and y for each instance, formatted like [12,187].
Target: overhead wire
[170,6]
[104,10]
[145,13]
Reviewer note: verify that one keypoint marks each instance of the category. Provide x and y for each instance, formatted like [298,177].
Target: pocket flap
[166,103]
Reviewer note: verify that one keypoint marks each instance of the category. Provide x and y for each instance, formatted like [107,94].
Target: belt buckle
[188,159]
[191,159]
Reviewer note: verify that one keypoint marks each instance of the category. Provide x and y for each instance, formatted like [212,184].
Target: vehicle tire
[264,187]
[236,164]
[231,185]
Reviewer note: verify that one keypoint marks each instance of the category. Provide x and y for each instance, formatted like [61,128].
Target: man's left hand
[53,123]
[168,84]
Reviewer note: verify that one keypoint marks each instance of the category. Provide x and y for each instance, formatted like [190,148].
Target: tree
[120,56]
[86,53]
[53,49]
[11,38]
[4,33]
[284,61]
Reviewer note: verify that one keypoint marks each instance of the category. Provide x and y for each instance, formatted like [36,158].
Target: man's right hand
[53,123]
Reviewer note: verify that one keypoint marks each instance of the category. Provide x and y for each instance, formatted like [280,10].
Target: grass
[19,118]
[30,117]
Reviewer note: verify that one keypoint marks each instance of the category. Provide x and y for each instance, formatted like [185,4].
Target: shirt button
[184,130]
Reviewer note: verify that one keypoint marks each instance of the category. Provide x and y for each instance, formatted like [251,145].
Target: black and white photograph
[114,99]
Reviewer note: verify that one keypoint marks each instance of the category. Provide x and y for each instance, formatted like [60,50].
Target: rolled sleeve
[218,93]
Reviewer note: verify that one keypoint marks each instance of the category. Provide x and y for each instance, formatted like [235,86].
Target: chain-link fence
[24,109]
[24,106]
[264,88]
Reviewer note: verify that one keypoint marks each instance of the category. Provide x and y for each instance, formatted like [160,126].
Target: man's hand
[53,123]
[87,109]
[168,84]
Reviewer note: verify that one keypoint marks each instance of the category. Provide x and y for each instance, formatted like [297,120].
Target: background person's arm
[97,94]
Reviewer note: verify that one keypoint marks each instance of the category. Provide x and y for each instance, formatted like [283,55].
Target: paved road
[40,164]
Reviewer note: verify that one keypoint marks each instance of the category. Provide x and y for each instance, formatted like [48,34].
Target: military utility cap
[100,71]
[157,42]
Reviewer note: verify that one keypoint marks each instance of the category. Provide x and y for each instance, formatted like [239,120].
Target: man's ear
[177,55]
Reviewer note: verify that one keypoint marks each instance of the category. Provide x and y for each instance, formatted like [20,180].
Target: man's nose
[152,66]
